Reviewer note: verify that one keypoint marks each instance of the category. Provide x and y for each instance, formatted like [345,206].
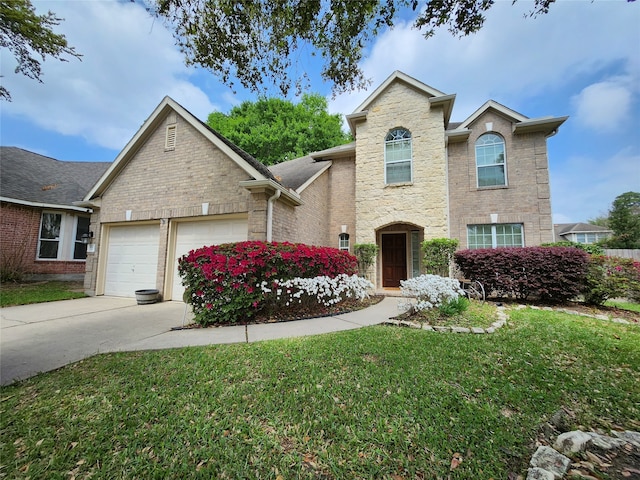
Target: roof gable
[35,179]
[521,124]
[254,169]
[436,97]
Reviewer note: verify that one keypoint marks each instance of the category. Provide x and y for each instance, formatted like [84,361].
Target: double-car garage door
[133,252]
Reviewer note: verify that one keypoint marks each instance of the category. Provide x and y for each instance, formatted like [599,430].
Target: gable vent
[170,140]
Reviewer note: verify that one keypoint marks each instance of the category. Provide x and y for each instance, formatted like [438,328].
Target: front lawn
[378,402]
[37,292]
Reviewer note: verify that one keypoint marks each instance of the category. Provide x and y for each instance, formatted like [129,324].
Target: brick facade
[19,233]
[162,185]
[524,200]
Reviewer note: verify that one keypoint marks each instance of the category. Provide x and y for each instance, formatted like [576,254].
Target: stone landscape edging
[499,323]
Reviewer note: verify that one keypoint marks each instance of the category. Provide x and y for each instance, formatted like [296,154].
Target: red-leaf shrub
[222,281]
[610,277]
[552,274]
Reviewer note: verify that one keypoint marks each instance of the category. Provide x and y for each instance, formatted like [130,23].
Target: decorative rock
[629,436]
[537,473]
[429,328]
[441,329]
[548,459]
[477,330]
[572,442]
[460,330]
[604,442]
[491,329]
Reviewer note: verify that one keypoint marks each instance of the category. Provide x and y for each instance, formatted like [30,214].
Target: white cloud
[129,64]
[605,106]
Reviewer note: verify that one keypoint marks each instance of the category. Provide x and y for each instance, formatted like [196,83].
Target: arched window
[491,161]
[397,156]
[343,241]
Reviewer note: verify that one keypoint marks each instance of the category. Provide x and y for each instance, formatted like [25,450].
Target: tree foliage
[624,220]
[274,130]
[27,36]
[257,41]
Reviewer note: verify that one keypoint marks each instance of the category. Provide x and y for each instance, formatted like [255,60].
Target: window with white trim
[49,240]
[495,235]
[491,161]
[589,238]
[397,156]
[343,241]
[60,236]
[80,248]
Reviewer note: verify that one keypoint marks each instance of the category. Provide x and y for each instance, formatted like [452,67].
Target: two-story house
[409,175]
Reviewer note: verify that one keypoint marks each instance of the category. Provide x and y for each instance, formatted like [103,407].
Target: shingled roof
[34,178]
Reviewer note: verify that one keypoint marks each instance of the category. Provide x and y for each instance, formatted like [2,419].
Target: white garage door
[192,235]
[132,259]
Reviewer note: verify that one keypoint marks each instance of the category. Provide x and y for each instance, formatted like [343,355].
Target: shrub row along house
[409,175]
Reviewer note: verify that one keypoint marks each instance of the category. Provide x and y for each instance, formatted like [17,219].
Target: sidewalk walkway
[46,336]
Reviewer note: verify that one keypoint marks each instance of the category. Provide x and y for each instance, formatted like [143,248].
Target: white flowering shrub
[303,292]
[429,291]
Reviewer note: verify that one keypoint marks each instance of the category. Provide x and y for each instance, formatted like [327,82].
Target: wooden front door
[394,259]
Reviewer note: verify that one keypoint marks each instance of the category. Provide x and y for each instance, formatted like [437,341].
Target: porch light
[86,238]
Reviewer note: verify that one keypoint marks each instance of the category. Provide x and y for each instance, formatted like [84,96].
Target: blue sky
[582,60]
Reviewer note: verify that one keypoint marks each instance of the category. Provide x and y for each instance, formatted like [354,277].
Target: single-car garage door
[132,259]
[192,235]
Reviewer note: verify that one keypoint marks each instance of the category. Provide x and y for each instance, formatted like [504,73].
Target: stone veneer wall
[526,199]
[424,201]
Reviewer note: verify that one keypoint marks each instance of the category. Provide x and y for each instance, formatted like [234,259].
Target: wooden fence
[623,253]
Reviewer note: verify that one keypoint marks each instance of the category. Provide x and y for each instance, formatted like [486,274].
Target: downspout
[270,203]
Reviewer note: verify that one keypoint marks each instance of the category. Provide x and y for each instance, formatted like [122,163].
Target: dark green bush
[438,254]
[591,248]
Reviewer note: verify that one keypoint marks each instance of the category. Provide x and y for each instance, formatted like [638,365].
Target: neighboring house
[581,232]
[410,175]
[40,228]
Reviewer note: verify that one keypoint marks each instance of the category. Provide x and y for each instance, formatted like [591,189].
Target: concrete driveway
[46,336]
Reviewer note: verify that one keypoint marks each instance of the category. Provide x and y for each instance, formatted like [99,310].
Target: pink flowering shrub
[611,277]
[224,283]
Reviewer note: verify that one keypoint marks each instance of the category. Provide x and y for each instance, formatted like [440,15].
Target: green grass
[379,402]
[634,307]
[478,314]
[26,293]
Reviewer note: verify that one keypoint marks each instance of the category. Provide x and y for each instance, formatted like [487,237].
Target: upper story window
[495,235]
[343,241]
[397,156]
[490,161]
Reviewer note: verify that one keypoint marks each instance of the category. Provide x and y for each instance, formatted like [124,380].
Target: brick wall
[19,232]
[160,184]
[525,199]
[342,192]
